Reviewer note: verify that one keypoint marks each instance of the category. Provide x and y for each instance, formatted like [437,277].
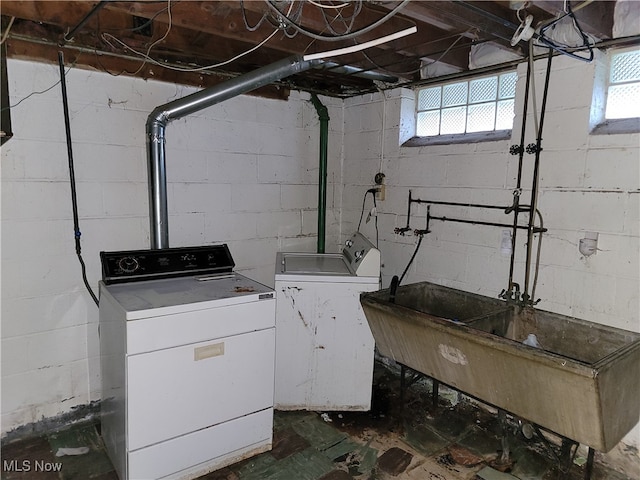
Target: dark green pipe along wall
[323,114]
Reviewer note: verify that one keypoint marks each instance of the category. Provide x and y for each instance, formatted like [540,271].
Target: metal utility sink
[582,383]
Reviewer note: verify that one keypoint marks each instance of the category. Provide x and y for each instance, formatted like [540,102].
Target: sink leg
[566,458]
[435,392]
[589,470]
[506,453]
[402,387]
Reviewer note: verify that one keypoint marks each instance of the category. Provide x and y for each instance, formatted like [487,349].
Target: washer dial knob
[128,264]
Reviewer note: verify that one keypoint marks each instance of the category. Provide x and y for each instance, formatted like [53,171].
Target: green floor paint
[308,448]
[306,465]
[424,440]
[319,433]
[80,467]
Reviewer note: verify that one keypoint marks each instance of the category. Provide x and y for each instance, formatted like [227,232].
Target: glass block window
[482,104]
[623,92]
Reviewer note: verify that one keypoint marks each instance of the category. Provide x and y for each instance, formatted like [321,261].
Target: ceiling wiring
[246,22]
[161,39]
[335,38]
[166,34]
[457,37]
[328,6]
[144,25]
[195,69]
[343,19]
[278,22]
[107,36]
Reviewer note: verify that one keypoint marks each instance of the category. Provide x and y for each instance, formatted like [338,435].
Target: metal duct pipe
[158,119]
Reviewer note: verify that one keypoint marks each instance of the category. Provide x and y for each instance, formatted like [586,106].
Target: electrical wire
[146,56]
[40,92]
[32,94]
[107,36]
[143,25]
[372,191]
[459,36]
[246,22]
[328,7]
[6,32]
[285,18]
[196,69]
[351,20]
[72,180]
[166,34]
[364,199]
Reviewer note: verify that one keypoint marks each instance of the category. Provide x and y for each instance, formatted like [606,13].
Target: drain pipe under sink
[323,115]
[163,114]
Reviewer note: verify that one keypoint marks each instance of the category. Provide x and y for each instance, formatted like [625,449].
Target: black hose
[72,179]
[392,288]
[372,191]
[415,252]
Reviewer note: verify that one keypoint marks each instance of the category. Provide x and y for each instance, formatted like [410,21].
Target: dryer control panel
[137,265]
[362,256]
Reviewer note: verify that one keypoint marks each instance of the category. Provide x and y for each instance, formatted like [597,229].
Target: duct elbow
[157,119]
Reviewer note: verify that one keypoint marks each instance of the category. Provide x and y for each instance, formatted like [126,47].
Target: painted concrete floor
[454,440]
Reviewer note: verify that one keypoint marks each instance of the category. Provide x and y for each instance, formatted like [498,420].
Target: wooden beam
[47,52]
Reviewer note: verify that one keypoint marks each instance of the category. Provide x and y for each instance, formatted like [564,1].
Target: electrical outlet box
[380,192]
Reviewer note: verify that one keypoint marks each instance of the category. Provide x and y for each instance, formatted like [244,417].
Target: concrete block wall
[243,172]
[588,183]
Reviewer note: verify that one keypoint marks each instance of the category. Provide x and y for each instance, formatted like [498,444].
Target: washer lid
[308,263]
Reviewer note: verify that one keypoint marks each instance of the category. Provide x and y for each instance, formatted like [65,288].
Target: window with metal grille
[623,92]
[482,104]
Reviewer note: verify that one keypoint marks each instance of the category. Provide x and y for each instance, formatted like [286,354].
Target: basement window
[623,94]
[456,109]
[621,112]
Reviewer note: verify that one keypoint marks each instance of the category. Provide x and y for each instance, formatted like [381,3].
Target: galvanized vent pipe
[158,119]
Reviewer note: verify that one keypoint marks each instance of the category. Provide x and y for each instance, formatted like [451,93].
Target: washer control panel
[362,256]
[137,265]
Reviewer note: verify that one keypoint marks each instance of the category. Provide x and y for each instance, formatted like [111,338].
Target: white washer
[187,362]
[324,347]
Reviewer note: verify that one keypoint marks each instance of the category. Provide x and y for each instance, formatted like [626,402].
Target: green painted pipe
[323,115]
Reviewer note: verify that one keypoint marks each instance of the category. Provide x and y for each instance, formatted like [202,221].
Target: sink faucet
[513,293]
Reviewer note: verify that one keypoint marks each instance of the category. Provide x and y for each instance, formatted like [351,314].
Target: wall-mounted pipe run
[537,148]
[519,150]
[323,114]
[513,208]
[158,119]
[490,224]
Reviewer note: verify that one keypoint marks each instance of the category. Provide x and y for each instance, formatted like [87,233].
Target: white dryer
[187,360]
[324,347]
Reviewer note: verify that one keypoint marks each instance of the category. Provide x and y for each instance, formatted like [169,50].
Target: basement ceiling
[203,43]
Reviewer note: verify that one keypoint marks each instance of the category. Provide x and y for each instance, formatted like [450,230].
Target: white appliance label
[208,351]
